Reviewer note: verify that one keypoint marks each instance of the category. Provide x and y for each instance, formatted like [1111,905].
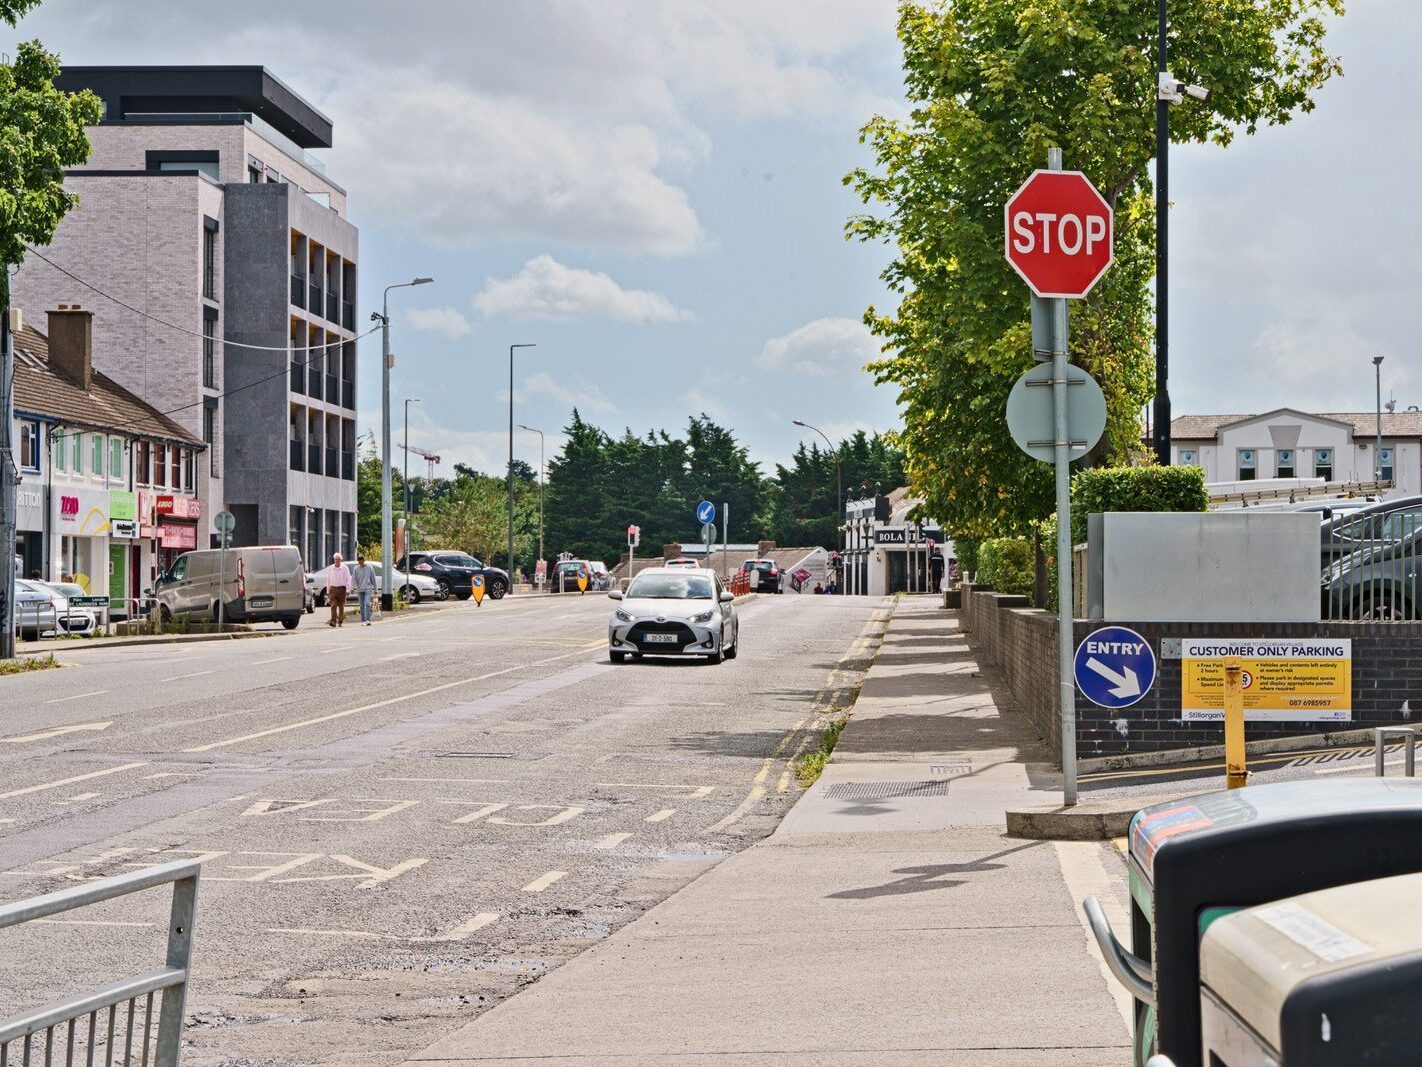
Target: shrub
[1006,564]
[966,550]
[1151,488]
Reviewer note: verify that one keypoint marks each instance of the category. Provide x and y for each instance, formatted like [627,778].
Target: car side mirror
[615,594]
[727,596]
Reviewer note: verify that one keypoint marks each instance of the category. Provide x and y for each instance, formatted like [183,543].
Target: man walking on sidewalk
[363,585]
[337,585]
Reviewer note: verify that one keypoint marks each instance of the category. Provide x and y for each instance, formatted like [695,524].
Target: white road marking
[1355,764]
[695,790]
[399,655]
[371,707]
[542,882]
[61,700]
[90,922]
[264,662]
[75,798]
[478,781]
[58,730]
[69,781]
[660,816]
[195,674]
[467,927]
[612,840]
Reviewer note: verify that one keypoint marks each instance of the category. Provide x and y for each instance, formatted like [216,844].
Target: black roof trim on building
[201,90]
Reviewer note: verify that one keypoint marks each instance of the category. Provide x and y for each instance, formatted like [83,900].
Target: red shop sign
[179,507]
[172,536]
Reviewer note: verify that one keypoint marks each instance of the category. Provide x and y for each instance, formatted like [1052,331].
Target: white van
[264,584]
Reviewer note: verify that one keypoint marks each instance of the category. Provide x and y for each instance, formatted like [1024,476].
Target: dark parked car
[566,573]
[454,571]
[765,576]
[1371,562]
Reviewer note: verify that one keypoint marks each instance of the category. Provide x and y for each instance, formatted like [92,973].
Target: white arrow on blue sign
[705,512]
[1115,667]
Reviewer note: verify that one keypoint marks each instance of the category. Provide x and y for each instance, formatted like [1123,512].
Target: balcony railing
[298,290]
[313,380]
[348,395]
[298,456]
[348,315]
[333,307]
[298,377]
[313,458]
[332,463]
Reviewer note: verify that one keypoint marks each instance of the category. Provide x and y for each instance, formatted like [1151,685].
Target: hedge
[966,549]
[1102,489]
[1006,564]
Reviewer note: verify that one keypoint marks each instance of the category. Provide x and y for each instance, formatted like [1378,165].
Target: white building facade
[887,551]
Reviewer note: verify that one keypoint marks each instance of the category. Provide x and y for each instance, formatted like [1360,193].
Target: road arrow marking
[1127,684]
[46,734]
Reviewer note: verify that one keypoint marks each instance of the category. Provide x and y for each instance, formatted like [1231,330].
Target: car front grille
[637,635]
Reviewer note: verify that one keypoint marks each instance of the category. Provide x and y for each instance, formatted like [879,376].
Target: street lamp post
[530,429]
[1162,249]
[383,317]
[408,402]
[511,492]
[1377,444]
[838,487]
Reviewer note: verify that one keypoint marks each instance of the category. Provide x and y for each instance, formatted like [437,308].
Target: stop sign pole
[1059,238]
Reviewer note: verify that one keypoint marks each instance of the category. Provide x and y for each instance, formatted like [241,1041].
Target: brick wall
[1021,643]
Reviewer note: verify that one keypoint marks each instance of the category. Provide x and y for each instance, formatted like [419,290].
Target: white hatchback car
[674,611]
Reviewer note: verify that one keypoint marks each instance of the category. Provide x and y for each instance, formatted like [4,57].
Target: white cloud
[546,289]
[574,392]
[822,347]
[448,322]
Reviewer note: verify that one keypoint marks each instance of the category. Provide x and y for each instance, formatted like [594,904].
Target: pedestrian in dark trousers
[363,585]
[337,585]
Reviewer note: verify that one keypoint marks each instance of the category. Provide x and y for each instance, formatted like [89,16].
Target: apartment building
[220,259]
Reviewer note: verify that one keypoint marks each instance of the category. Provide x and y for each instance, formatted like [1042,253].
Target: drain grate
[885,790]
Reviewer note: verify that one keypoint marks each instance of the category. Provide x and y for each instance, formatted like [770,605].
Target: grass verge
[809,766]
[30,663]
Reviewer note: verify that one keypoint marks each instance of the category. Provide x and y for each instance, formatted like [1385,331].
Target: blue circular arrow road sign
[705,512]
[1115,667]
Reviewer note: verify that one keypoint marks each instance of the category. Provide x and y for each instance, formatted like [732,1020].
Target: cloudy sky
[650,192]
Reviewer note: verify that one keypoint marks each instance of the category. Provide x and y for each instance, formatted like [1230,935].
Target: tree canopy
[992,85]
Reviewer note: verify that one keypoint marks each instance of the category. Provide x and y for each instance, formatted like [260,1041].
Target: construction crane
[430,458]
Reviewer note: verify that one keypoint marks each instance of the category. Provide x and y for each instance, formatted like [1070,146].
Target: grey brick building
[203,208]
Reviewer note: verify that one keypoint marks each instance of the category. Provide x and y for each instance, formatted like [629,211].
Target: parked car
[454,571]
[566,573]
[411,588]
[35,608]
[261,584]
[72,618]
[310,587]
[601,576]
[1345,532]
[683,561]
[672,611]
[1372,561]
[765,576]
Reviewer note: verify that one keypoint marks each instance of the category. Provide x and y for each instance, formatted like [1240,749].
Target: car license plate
[261,602]
[660,639]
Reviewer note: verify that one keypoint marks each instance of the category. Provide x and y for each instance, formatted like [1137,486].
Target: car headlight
[624,616]
[705,616]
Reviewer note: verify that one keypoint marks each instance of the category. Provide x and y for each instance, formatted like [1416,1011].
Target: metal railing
[50,623]
[114,1023]
[1372,567]
[1409,749]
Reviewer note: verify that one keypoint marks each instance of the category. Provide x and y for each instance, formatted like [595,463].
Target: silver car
[35,608]
[673,611]
[411,588]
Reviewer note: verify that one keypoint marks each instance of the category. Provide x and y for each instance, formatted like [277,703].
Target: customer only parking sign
[1290,680]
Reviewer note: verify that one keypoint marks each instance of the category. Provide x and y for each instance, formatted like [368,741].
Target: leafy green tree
[806,499]
[720,470]
[992,85]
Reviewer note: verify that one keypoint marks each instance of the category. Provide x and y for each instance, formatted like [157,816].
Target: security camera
[1169,89]
[1198,92]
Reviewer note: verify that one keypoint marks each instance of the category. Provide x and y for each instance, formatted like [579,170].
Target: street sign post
[225,522]
[1058,234]
[1115,667]
[705,512]
[708,538]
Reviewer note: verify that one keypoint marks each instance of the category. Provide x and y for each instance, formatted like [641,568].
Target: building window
[144,474]
[293,530]
[116,459]
[1189,457]
[175,466]
[348,535]
[1385,464]
[1247,460]
[96,455]
[1323,464]
[29,445]
[57,448]
[1284,463]
[190,470]
[209,350]
[209,436]
[209,258]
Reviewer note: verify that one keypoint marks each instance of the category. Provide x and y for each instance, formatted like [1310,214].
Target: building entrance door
[898,572]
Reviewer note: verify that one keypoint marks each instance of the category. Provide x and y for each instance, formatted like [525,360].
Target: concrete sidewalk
[887,921]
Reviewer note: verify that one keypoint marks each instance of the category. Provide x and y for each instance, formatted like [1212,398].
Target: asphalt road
[399,824]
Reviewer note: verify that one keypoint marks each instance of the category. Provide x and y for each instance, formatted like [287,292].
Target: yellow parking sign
[1284,679]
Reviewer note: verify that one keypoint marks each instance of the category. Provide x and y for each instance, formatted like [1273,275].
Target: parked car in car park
[455,572]
[765,576]
[1371,563]
[674,611]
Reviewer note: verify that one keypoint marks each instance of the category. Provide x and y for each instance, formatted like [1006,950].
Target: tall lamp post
[406,478]
[383,317]
[838,486]
[530,429]
[1377,444]
[511,426]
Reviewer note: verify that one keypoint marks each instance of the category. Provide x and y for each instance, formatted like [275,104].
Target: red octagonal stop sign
[1059,231]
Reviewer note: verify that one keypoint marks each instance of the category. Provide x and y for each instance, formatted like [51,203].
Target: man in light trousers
[337,585]
[363,585]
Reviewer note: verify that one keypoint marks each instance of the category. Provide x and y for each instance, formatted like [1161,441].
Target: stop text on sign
[1058,233]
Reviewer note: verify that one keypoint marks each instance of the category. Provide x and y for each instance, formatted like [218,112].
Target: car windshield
[761,565]
[670,587]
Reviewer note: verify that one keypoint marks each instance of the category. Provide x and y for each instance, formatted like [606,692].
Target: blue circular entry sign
[1115,667]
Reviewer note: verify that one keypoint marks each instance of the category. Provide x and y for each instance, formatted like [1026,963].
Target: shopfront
[177,521]
[123,538]
[29,534]
[81,527]
[885,552]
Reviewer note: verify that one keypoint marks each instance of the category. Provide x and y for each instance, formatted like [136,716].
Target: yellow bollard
[476,589]
[1236,771]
